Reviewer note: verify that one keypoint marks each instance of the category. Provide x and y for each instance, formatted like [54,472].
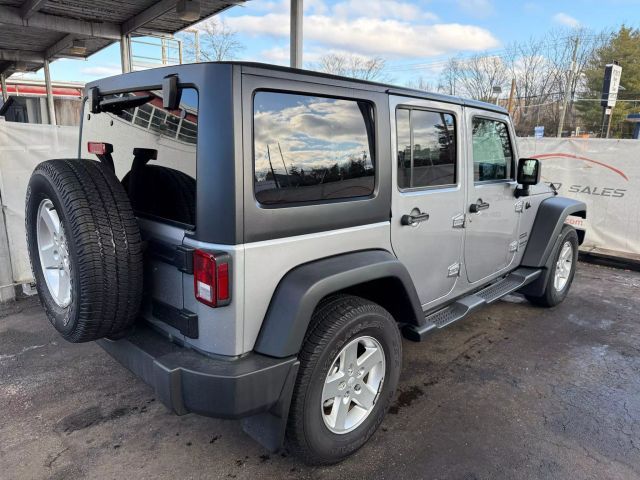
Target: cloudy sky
[407,33]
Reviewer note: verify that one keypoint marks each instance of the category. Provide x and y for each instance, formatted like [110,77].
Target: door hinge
[459,220]
[519,206]
[453,270]
[513,246]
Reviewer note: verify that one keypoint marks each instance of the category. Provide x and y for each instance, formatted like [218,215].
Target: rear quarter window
[311,148]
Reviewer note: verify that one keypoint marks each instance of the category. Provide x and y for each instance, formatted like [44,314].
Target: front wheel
[349,369]
[562,270]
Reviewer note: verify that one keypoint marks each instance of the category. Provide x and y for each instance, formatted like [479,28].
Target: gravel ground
[513,391]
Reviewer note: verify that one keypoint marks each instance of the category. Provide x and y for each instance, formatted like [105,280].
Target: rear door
[491,231]
[428,197]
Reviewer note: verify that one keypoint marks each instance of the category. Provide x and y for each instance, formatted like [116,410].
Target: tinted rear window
[311,148]
[165,188]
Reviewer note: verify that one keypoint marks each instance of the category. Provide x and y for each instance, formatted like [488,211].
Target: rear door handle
[479,205]
[414,219]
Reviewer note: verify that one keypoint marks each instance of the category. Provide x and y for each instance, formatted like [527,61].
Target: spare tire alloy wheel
[54,254]
[352,385]
[85,249]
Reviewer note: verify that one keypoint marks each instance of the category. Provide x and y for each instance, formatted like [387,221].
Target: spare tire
[85,249]
[162,192]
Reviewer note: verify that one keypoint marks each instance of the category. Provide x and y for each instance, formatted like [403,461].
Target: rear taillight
[211,278]
[99,148]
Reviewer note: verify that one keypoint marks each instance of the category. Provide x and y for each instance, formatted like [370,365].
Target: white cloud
[374,36]
[477,8]
[102,70]
[276,55]
[566,20]
[382,9]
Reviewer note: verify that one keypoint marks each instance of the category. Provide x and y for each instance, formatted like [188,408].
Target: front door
[491,231]
[428,197]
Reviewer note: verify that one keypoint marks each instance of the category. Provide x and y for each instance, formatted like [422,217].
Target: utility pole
[511,95]
[567,90]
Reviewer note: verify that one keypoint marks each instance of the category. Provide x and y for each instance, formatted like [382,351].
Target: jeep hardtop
[252,240]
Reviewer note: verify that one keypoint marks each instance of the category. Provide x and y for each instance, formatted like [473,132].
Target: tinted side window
[426,148]
[309,148]
[492,154]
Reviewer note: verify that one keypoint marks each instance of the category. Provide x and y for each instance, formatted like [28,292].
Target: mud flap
[269,428]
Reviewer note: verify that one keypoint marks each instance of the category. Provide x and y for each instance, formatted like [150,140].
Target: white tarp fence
[605,174]
[22,147]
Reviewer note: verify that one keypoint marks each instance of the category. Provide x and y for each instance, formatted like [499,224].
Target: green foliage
[623,47]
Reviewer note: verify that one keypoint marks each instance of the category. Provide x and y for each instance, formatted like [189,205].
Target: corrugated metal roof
[31,30]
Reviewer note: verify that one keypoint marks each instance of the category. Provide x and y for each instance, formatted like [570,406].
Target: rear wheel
[562,270]
[85,249]
[349,370]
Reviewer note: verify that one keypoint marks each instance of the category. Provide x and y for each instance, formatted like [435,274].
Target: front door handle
[414,219]
[479,205]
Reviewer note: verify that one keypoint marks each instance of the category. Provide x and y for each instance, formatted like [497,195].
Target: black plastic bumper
[188,381]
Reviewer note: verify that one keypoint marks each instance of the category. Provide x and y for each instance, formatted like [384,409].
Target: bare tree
[354,66]
[475,76]
[420,83]
[448,77]
[541,70]
[217,42]
[534,74]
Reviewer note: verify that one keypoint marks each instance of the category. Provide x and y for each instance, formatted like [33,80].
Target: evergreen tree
[623,47]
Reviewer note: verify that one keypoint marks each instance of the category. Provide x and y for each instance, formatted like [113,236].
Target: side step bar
[465,305]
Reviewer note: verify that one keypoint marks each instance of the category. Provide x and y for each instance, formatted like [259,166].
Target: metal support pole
[125,53]
[6,271]
[297,9]
[196,35]
[3,84]
[51,110]
[607,113]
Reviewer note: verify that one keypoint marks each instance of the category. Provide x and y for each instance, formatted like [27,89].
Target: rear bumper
[188,381]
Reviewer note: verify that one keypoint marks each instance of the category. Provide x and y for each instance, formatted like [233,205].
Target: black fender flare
[547,226]
[302,288]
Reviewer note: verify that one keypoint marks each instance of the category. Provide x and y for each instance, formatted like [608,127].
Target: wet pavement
[513,391]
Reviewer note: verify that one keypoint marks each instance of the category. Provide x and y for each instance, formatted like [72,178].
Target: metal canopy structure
[35,32]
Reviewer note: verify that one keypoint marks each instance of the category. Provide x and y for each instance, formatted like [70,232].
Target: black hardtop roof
[116,82]
[388,88]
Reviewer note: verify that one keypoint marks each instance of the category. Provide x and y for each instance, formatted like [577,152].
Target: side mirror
[528,174]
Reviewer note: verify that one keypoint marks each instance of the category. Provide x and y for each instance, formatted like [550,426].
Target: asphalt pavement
[513,391]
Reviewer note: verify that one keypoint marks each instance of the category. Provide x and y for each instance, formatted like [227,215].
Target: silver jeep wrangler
[252,240]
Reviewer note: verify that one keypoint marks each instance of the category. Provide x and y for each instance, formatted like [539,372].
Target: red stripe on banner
[584,159]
